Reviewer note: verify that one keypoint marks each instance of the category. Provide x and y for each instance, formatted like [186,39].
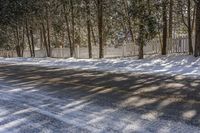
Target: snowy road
[40,99]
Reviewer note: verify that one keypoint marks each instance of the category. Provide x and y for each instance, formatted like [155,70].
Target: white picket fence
[176,45]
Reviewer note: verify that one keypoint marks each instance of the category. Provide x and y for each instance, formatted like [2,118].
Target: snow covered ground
[21,111]
[171,64]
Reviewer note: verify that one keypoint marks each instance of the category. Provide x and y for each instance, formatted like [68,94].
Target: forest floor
[44,99]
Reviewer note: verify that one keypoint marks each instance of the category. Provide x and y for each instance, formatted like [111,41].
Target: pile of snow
[171,64]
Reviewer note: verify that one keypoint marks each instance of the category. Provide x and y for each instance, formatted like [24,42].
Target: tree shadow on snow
[175,98]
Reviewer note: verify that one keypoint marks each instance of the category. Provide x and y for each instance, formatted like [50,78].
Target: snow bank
[171,64]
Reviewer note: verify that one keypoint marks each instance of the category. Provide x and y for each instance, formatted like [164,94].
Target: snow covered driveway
[41,99]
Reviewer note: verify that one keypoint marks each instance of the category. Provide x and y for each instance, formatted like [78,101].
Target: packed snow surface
[21,111]
[172,64]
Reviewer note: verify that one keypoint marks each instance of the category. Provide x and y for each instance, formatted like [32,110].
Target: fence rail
[176,45]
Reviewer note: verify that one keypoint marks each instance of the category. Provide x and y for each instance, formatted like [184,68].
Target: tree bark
[32,41]
[164,45]
[190,29]
[45,40]
[171,18]
[28,38]
[41,39]
[141,42]
[48,32]
[100,27]
[18,48]
[197,35]
[68,32]
[128,20]
[93,35]
[23,41]
[89,28]
[73,26]
[170,31]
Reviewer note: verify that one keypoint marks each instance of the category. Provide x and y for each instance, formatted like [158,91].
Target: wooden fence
[176,45]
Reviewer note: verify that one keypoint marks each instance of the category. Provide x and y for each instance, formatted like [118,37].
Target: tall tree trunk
[129,21]
[68,32]
[141,35]
[197,36]
[63,39]
[141,42]
[78,33]
[100,27]
[18,48]
[23,41]
[48,32]
[89,28]
[170,36]
[45,40]
[93,35]
[164,45]
[28,38]
[73,26]
[57,45]
[41,39]
[32,41]
[190,29]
